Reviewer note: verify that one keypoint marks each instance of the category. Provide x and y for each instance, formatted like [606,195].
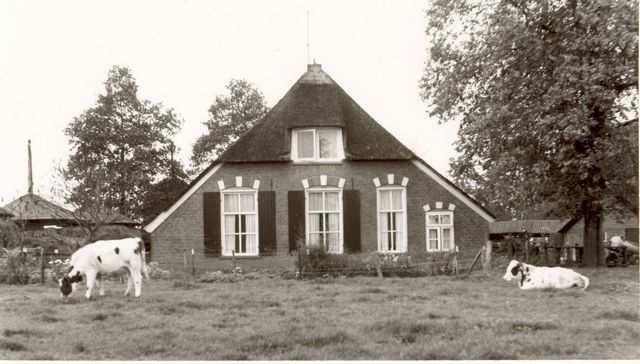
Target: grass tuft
[79,348]
[324,340]
[532,326]
[12,346]
[21,332]
[49,319]
[619,315]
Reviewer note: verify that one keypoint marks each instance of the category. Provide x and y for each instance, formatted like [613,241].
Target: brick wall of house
[183,230]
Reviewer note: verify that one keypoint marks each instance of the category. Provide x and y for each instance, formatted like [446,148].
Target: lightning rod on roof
[30,172]
[308,48]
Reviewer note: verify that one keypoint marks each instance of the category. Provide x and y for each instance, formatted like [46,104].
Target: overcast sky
[55,55]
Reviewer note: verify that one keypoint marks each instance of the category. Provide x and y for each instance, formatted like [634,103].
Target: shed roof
[315,100]
[530,226]
[34,207]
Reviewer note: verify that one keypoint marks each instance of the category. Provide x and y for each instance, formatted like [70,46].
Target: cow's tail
[585,280]
[143,259]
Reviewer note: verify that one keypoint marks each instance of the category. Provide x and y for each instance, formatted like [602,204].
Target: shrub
[16,267]
[317,262]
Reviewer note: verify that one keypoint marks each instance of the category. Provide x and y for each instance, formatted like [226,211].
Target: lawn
[342,318]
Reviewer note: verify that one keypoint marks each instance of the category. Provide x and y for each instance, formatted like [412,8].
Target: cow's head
[513,269]
[67,282]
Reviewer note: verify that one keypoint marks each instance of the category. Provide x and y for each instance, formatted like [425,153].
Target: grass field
[349,318]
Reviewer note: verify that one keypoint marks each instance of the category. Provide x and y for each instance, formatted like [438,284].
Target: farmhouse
[316,170]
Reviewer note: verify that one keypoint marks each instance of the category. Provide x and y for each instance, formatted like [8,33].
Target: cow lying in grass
[532,277]
[103,257]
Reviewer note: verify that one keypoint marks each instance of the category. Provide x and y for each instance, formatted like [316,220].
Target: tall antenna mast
[308,49]
[30,172]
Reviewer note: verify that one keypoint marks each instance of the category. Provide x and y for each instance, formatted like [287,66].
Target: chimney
[30,168]
[314,67]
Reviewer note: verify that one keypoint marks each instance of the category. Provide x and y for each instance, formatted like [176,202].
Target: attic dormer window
[317,145]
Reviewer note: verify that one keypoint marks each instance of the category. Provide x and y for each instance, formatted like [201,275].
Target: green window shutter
[296,219]
[267,222]
[211,222]
[351,222]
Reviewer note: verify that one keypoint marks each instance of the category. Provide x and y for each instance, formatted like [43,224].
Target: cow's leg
[129,282]
[91,281]
[100,284]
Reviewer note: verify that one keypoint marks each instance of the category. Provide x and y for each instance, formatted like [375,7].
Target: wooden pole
[475,260]
[487,257]
[378,267]
[233,260]
[300,265]
[526,250]
[193,263]
[42,265]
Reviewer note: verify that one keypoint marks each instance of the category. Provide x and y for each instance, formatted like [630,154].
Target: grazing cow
[532,277]
[102,257]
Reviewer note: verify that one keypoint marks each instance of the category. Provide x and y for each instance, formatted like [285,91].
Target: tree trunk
[591,256]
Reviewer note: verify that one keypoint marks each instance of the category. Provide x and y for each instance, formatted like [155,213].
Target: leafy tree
[230,116]
[119,146]
[163,193]
[537,89]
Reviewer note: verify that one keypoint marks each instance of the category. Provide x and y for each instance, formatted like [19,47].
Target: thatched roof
[530,226]
[316,100]
[4,213]
[34,207]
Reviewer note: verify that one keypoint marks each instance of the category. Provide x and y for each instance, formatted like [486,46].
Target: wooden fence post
[300,263]
[475,260]
[526,250]
[233,260]
[42,265]
[193,262]
[378,267]
[487,258]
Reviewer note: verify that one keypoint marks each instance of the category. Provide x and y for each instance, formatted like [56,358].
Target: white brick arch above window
[390,179]
[323,180]
[238,182]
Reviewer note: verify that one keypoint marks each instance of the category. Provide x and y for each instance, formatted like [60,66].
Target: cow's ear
[515,269]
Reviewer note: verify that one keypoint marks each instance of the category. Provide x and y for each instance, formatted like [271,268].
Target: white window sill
[332,161]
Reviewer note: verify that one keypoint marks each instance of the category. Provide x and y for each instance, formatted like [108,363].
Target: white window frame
[439,228]
[232,191]
[340,217]
[402,247]
[316,146]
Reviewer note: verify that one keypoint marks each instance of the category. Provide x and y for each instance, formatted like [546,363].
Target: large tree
[120,146]
[538,88]
[230,116]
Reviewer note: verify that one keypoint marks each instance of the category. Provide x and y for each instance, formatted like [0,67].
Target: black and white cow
[532,277]
[102,257]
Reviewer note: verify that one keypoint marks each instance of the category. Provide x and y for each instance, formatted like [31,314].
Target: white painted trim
[323,180]
[438,204]
[376,182]
[305,183]
[439,228]
[426,207]
[405,181]
[341,182]
[403,244]
[341,218]
[222,225]
[316,146]
[390,178]
[153,225]
[452,207]
[238,181]
[256,184]
[442,182]
[221,185]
